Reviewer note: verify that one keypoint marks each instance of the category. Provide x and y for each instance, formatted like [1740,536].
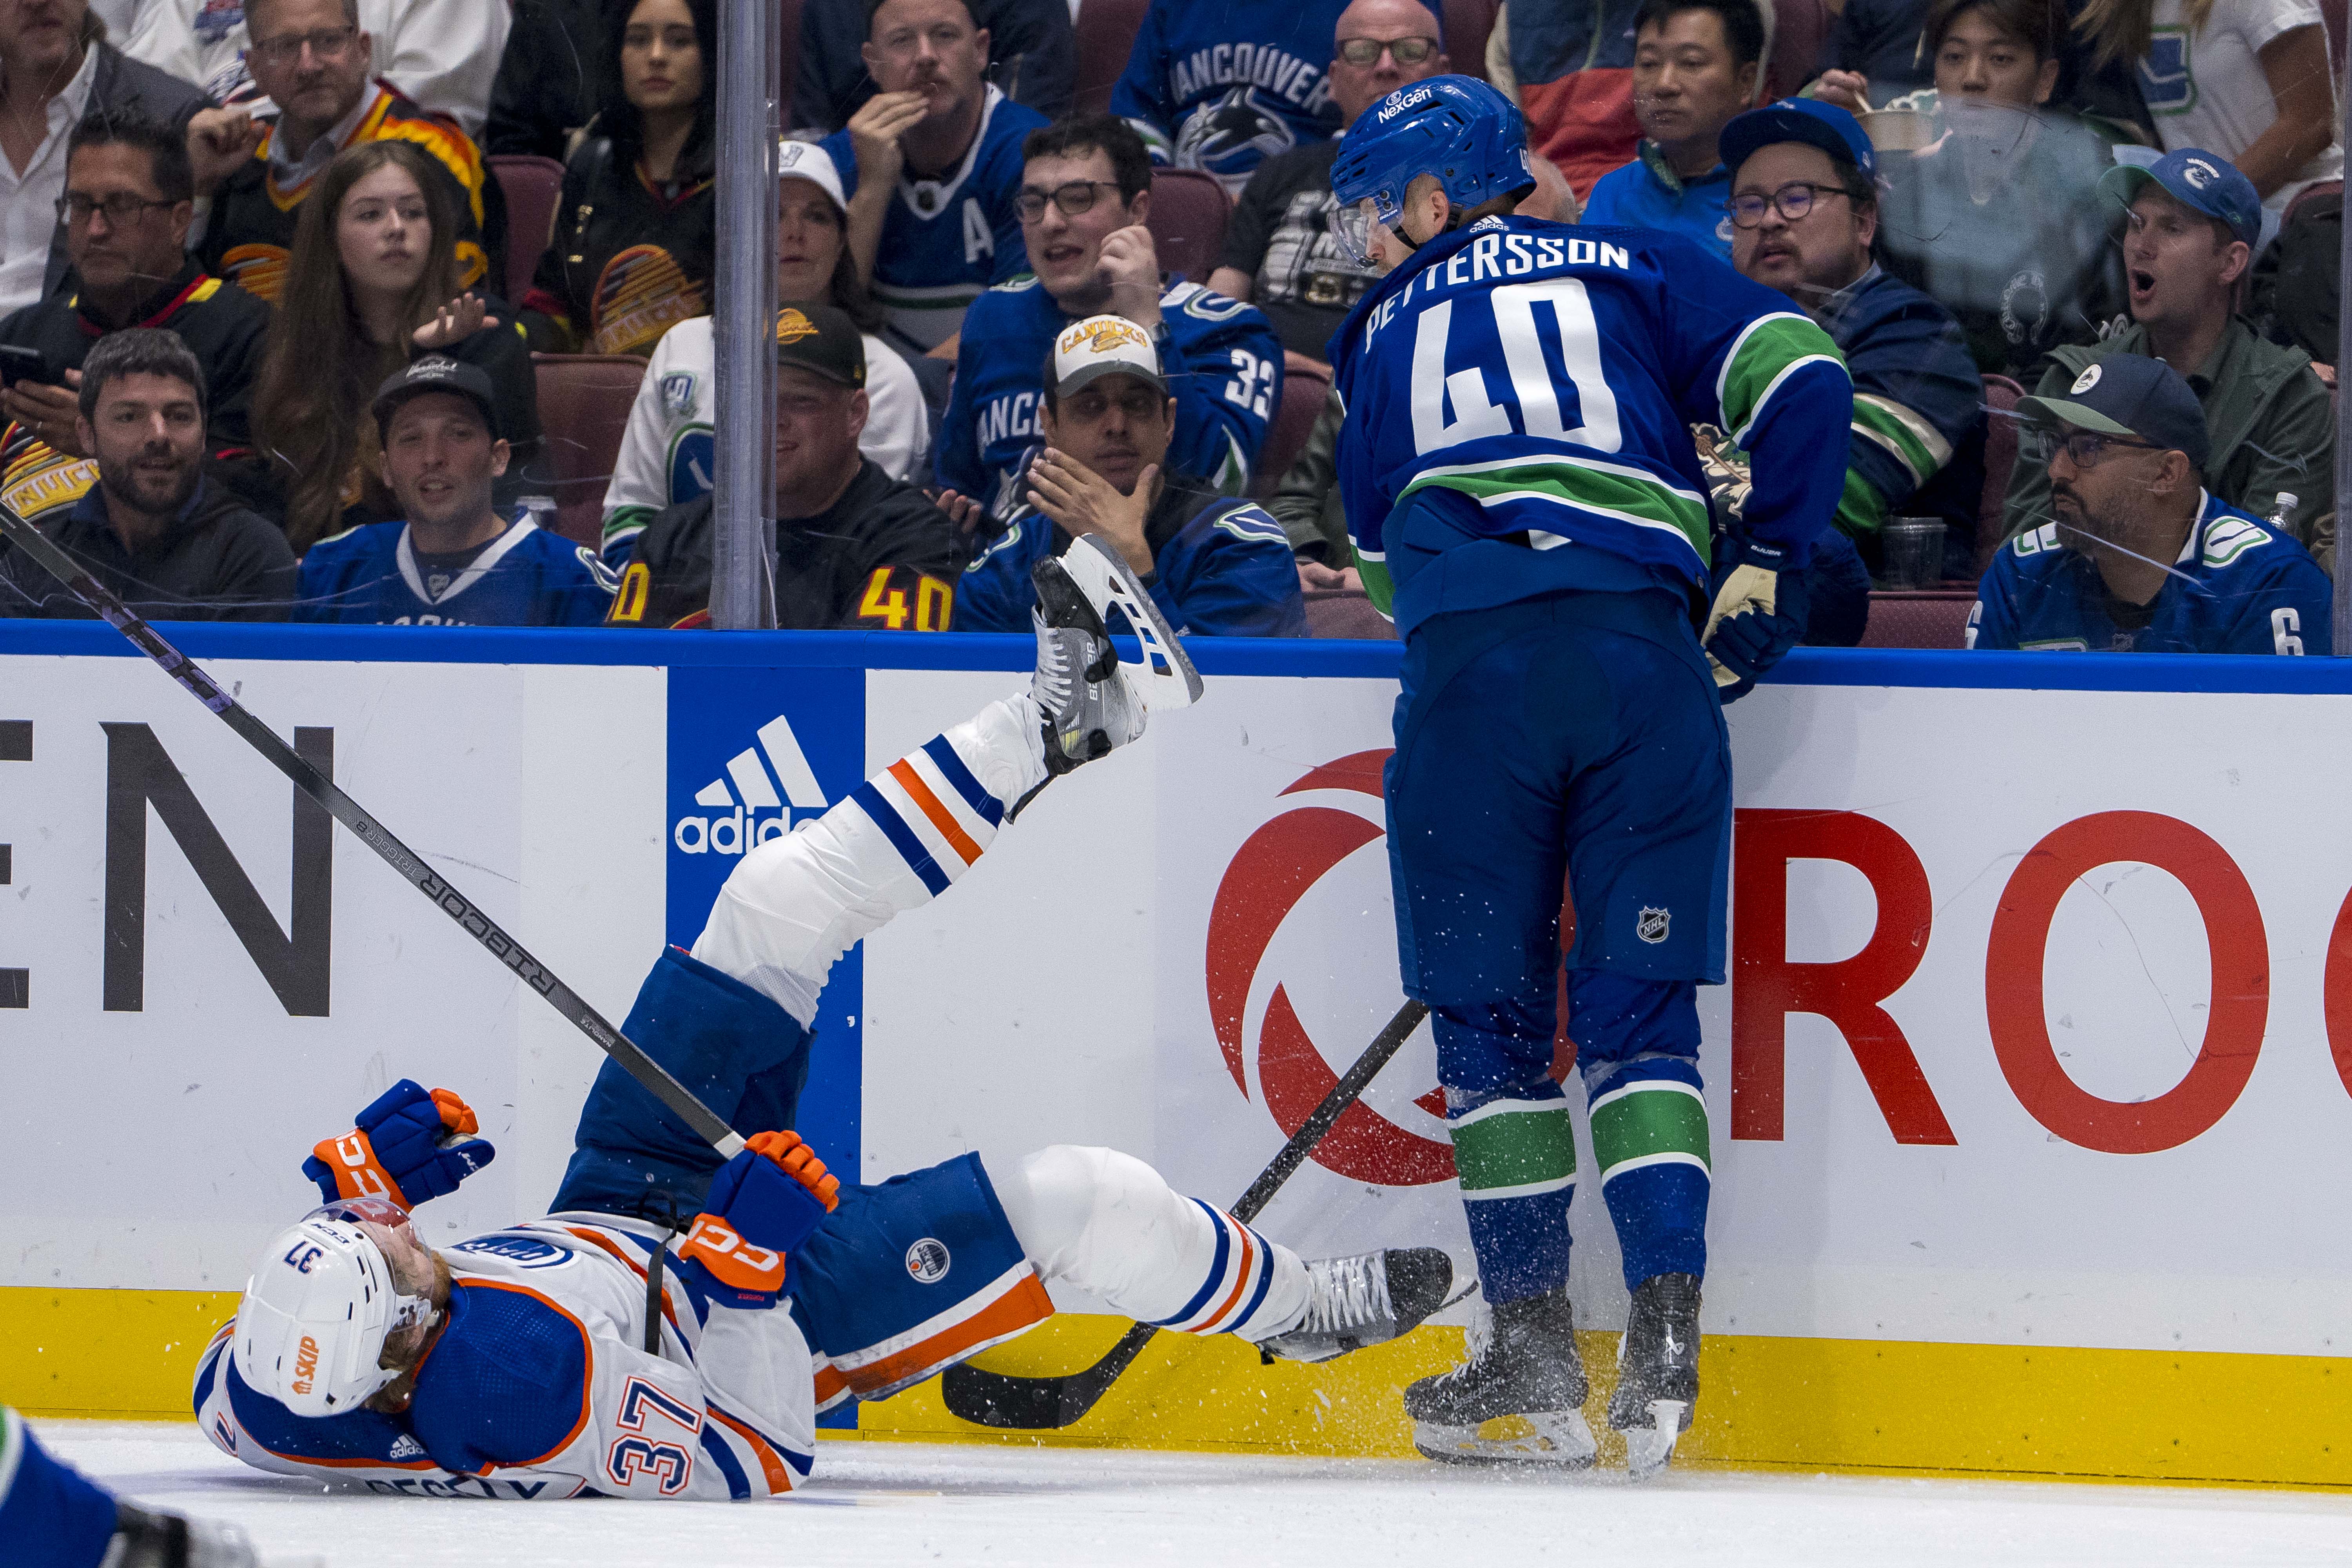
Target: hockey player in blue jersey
[1525,500]
[2138,557]
[1086,191]
[1216,566]
[52,1516]
[1220,87]
[576,1354]
[455,559]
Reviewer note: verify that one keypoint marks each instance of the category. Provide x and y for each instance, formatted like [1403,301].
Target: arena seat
[2314,191]
[788,52]
[1999,457]
[1466,24]
[1189,210]
[532,185]
[1346,613]
[1797,27]
[1935,618]
[1305,387]
[1106,36]
[584,406]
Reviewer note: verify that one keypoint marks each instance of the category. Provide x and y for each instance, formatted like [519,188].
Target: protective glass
[1073,198]
[1353,227]
[1362,52]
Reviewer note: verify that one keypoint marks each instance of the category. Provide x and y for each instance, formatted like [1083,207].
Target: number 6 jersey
[1550,374]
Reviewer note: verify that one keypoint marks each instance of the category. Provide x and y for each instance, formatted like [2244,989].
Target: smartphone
[28,365]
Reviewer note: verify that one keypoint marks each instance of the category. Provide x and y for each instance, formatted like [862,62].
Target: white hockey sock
[797,903]
[1106,1223]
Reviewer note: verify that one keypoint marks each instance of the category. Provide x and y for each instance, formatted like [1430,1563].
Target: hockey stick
[1049,1404]
[398,856]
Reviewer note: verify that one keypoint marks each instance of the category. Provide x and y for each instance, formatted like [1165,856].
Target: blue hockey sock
[50,1517]
[1514,1149]
[1637,1043]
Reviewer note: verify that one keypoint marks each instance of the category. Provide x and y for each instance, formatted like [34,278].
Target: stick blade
[1037,1403]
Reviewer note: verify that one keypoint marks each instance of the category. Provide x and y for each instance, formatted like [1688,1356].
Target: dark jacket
[882,558]
[547,82]
[628,260]
[125,86]
[219,560]
[1032,58]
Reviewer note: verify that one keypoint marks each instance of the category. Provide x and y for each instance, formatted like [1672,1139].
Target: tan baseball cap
[1100,347]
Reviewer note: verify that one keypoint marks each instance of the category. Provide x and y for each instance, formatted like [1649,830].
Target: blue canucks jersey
[2241,586]
[1220,88]
[944,241]
[1548,375]
[1222,359]
[1221,569]
[525,577]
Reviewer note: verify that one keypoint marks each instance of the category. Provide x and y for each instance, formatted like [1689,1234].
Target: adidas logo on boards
[742,827]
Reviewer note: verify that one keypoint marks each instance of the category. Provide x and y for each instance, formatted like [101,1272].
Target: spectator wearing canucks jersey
[856,549]
[1222,88]
[1696,63]
[312,62]
[1032,58]
[456,561]
[2127,447]
[1214,565]
[632,253]
[1804,213]
[1086,191]
[931,166]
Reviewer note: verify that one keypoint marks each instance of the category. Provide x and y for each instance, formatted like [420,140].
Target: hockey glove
[1760,603]
[409,1145]
[763,1203]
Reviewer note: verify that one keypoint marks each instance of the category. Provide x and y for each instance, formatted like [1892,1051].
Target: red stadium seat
[788,51]
[532,185]
[1106,36]
[1466,27]
[1346,613]
[1189,210]
[2312,192]
[584,406]
[1938,618]
[2000,456]
[1798,27]
[1305,387]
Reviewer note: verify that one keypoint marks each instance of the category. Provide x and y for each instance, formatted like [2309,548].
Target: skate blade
[1560,1438]
[1165,679]
[1647,1448]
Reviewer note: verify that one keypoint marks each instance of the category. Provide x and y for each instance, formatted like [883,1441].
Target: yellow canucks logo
[791,326]
[1102,335]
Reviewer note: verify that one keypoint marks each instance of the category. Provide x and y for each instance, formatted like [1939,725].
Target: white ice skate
[1367,1300]
[1092,703]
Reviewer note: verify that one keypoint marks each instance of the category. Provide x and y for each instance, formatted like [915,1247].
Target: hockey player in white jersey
[576,1355]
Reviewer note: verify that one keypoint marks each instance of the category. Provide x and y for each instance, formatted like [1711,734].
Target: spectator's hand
[1084,502]
[47,412]
[1314,577]
[966,513]
[874,133]
[1130,269]
[1850,90]
[455,321]
[219,140]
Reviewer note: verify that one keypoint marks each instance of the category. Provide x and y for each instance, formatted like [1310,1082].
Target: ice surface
[877,1503]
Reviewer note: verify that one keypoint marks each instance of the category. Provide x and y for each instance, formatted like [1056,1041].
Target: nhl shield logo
[1650,925]
[928,1260]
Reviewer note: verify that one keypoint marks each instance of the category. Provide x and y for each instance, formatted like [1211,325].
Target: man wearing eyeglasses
[125,213]
[1223,88]
[1804,217]
[2138,556]
[311,58]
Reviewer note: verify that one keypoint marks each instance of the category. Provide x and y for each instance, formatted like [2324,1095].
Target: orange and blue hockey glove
[411,1144]
[763,1203]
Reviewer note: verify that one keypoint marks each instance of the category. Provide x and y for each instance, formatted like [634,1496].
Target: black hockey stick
[398,856]
[1049,1404]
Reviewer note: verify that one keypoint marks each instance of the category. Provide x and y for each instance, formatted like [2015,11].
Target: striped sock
[1650,1140]
[1235,1288]
[933,811]
[1516,1159]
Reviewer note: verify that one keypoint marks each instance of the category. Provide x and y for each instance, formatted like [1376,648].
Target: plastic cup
[1914,552]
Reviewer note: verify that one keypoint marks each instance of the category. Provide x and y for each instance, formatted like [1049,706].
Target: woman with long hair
[373,284]
[631,254]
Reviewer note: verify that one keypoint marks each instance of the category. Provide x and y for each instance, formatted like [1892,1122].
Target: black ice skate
[146,1540]
[1657,1371]
[1093,704]
[1526,1367]
[1367,1300]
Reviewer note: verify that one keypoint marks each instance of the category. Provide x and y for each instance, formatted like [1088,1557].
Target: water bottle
[2281,509]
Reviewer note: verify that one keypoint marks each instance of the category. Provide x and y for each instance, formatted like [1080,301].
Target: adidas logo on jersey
[406,1448]
[742,828]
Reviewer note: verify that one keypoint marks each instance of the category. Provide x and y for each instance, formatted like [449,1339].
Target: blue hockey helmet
[1461,131]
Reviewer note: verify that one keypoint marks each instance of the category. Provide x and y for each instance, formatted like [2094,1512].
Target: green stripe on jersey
[1758,359]
[1511,1148]
[1861,509]
[1377,586]
[1918,446]
[1610,489]
[1643,1121]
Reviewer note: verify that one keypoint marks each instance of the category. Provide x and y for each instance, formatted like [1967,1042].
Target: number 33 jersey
[1548,375]
[538,1387]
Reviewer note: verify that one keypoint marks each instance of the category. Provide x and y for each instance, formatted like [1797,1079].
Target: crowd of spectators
[260,363]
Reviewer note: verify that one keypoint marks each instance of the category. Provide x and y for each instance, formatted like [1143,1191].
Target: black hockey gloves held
[1760,603]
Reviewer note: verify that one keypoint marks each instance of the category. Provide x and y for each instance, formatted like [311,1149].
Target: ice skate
[1526,1366]
[1657,1371]
[1367,1300]
[1092,703]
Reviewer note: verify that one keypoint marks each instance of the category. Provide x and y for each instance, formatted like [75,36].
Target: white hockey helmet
[320,1306]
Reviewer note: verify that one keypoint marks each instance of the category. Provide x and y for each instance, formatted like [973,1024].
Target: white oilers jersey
[537,1386]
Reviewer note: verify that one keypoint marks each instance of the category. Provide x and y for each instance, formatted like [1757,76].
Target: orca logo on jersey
[306,1365]
[928,1260]
[791,326]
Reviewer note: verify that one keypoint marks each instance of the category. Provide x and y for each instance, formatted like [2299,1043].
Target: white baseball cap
[1100,347]
[807,161]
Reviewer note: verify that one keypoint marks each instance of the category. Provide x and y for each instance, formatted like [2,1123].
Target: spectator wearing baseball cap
[665,457]
[2191,221]
[453,559]
[2138,556]
[1804,217]
[1216,566]
[856,549]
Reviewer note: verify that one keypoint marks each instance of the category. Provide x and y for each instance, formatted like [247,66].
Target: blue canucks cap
[2201,181]
[1806,120]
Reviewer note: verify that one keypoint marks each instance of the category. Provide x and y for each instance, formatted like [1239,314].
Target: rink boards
[2028,1095]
